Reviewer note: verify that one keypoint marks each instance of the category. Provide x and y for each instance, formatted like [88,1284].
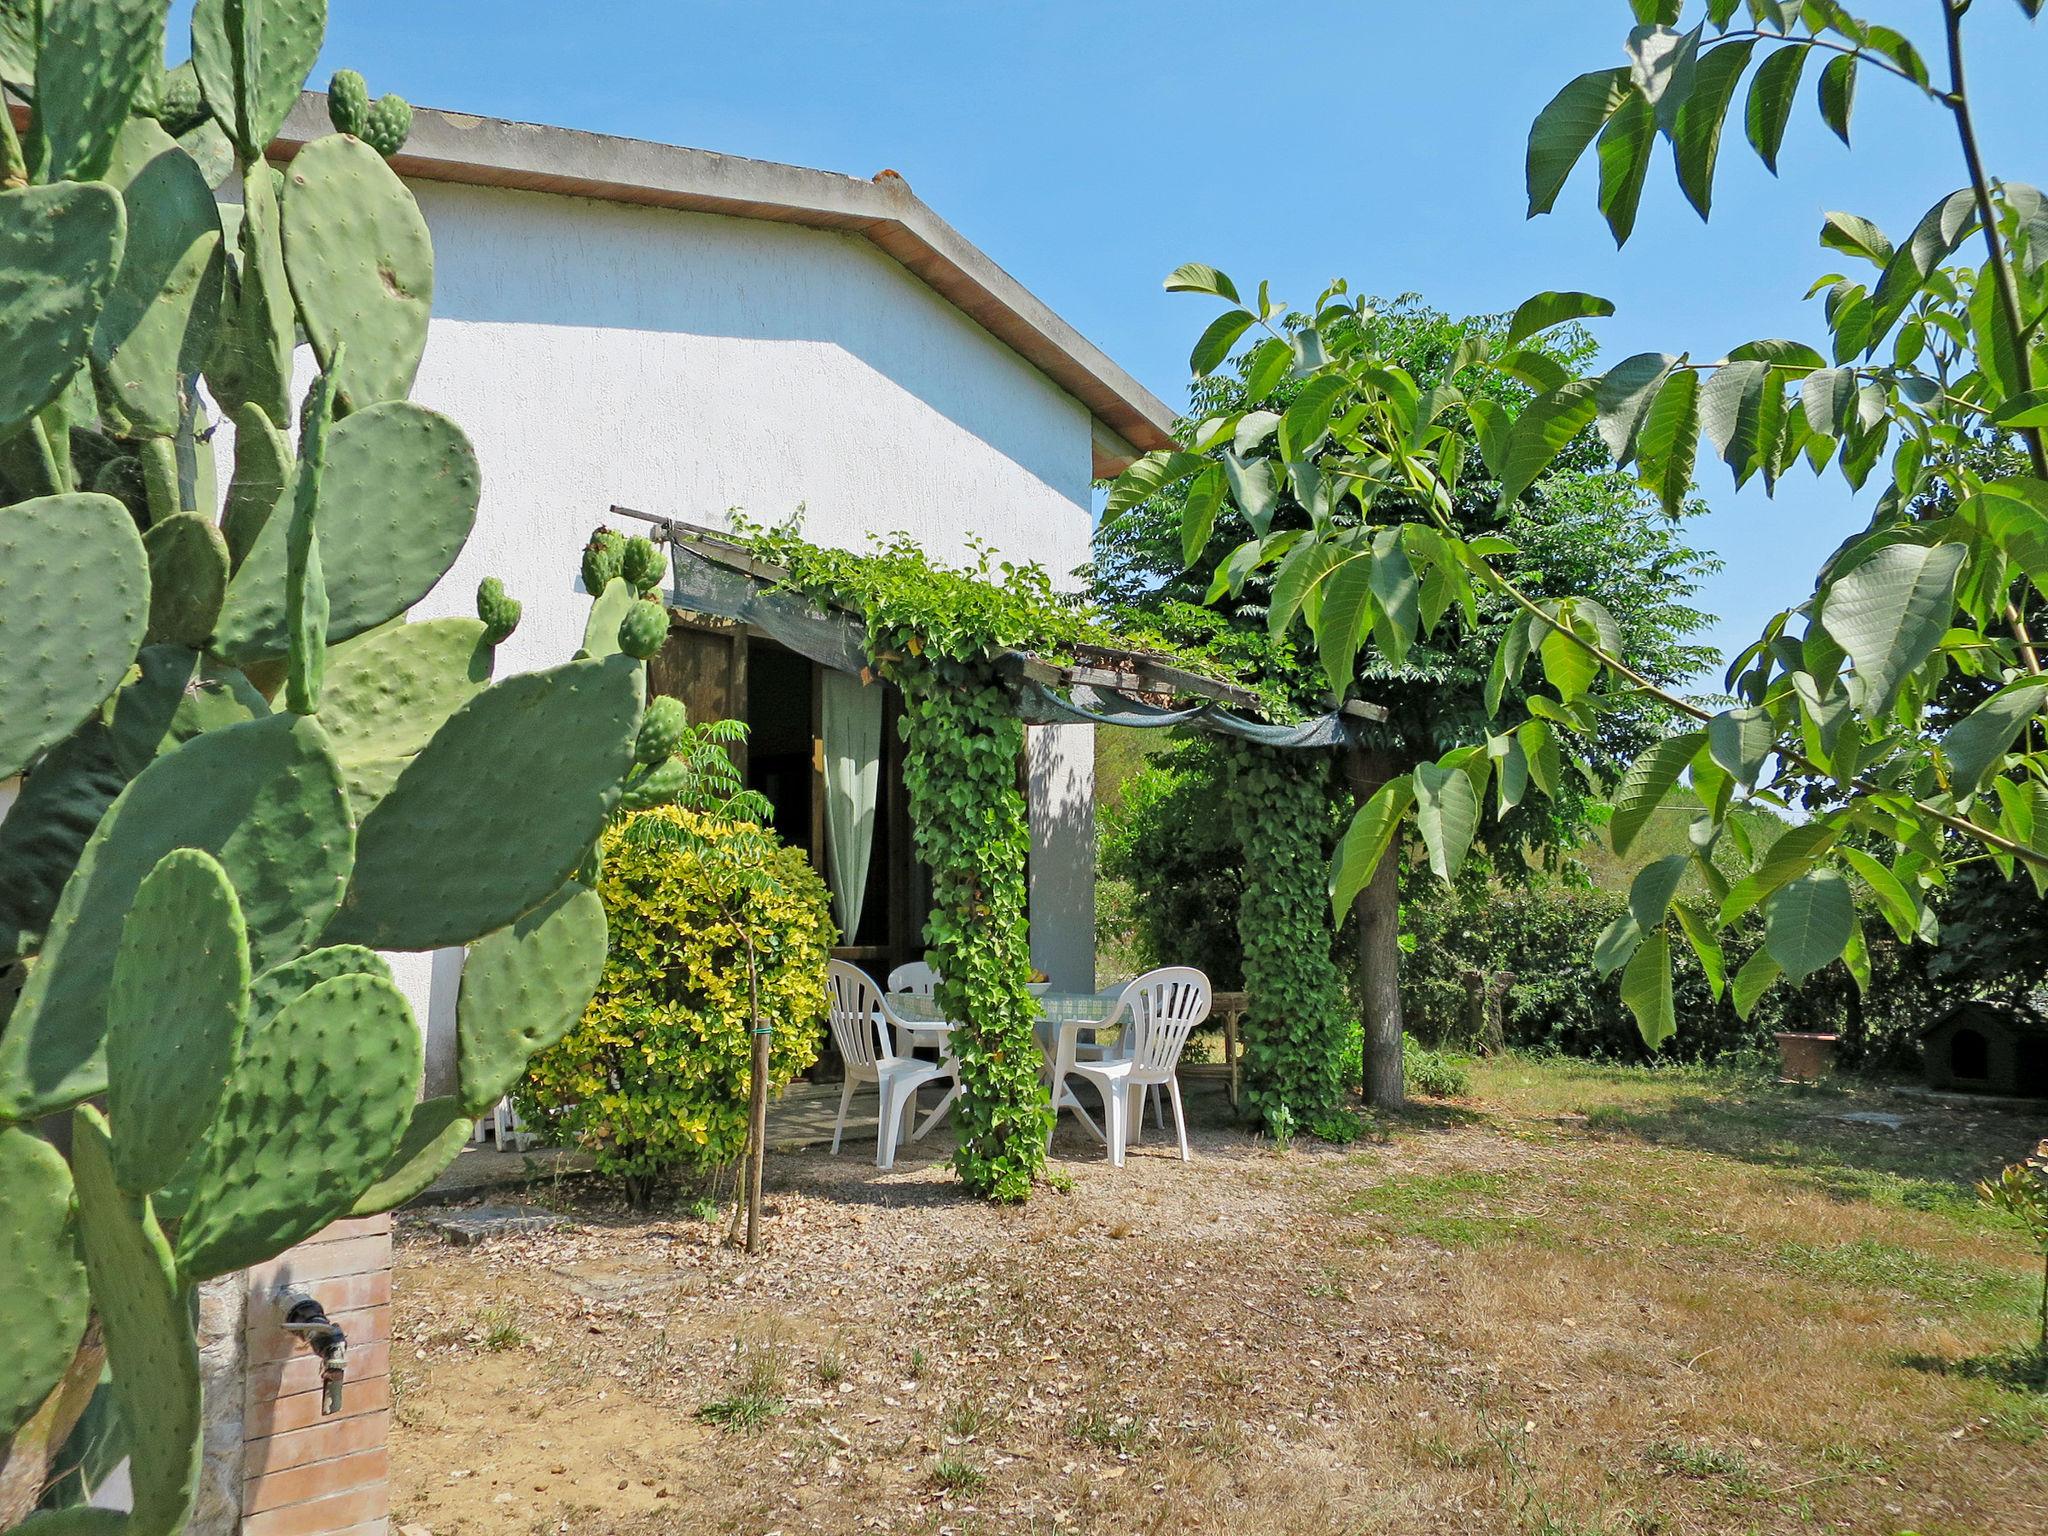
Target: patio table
[1061,1018]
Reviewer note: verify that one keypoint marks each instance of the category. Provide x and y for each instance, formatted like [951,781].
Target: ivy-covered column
[1294,1032]
[963,740]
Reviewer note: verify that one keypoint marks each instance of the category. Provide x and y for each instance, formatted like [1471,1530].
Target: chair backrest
[916,978]
[1165,1006]
[856,1014]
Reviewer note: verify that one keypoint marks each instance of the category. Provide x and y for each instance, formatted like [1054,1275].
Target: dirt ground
[1584,1300]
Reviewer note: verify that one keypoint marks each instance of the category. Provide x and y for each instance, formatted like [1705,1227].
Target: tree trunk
[1378,909]
[757,1107]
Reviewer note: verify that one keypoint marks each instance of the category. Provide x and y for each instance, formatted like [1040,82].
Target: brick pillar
[305,1473]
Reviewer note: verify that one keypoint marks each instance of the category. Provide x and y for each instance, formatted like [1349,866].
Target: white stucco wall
[684,364]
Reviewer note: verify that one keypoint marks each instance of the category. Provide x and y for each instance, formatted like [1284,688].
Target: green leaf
[1447,815]
[1890,613]
[1664,63]
[1539,744]
[1303,567]
[1198,513]
[1540,433]
[1650,893]
[1828,397]
[1740,740]
[1646,784]
[1396,594]
[1565,127]
[1624,150]
[1669,438]
[1146,476]
[1807,922]
[1615,944]
[1732,414]
[1976,744]
[1646,989]
[1696,132]
[2028,410]
[1194,277]
[1217,340]
[1899,908]
[1712,960]
[1341,625]
[1790,857]
[1854,235]
[1625,393]
[1254,489]
[1753,980]
[1309,415]
[1838,93]
[1366,841]
[1267,365]
[1769,107]
[1542,311]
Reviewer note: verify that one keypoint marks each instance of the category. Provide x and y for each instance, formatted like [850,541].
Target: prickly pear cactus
[241,766]
[661,730]
[603,560]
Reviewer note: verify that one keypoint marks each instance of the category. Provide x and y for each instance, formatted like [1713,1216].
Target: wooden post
[1378,909]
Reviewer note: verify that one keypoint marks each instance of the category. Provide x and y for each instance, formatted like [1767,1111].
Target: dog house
[1986,1047]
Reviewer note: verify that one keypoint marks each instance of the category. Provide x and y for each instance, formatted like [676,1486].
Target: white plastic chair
[916,978]
[861,1021]
[1162,1008]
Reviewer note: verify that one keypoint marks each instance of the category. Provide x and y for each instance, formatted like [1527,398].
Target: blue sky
[1091,147]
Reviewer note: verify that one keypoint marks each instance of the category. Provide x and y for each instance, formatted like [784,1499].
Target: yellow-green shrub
[653,1079]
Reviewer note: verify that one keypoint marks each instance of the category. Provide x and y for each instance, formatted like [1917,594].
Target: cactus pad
[499,612]
[440,861]
[178,695]
[641,564]
[387,692]
[388,125]
[94,62]
[269,992]
[150,1348]
[397,498]
[252,365]
[46,830]
[265,798]
[522,987]
[348,102]
[43,1301]
[73,605]
[661,730]
[263,473]
[644,628]
[60,248]
[286,35]
[174,1014]
[438,1130]
[188,578]
[614,600]
[604,559]
[320,1097]
[157,326]
[361,266]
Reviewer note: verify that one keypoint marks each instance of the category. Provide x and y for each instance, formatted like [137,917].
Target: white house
[619,322]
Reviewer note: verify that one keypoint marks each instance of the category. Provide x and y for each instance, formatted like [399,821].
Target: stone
[1881,1117]
[477,1223]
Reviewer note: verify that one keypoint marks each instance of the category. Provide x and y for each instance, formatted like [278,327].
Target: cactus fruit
[348,102]
[398,496]
[180,107]
[657,786]
[500,613]
[150,1348]
[157,327]
[78,557]
[388,125]
[644,628]
[43,1300]
[361,265]
[316,1105]
[60,247]
[184,955]
[662,729]
[603,559]
[522,987]
[94,61]
[433,864]
[640,563]
[251,88]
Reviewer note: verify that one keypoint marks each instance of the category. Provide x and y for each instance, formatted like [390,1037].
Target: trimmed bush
[653,1079]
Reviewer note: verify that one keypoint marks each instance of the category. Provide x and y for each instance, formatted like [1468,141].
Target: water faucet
[305,1317]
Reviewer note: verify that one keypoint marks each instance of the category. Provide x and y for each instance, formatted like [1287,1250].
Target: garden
[1507,1212]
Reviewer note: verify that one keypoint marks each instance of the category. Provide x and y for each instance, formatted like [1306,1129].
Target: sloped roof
[494,152]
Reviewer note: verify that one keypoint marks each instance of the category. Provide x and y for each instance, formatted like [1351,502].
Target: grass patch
[968,1418]
[1119,1433]
[958,1475]
[756,1397]
[497,1326]
[1702,1462]
[1875,1266]
[1447,1209]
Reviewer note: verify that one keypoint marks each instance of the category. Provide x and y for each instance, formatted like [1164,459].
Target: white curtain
[853,774]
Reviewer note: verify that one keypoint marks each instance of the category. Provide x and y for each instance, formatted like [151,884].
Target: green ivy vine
[1295,1032]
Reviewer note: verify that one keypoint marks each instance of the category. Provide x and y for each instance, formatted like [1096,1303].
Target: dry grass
[1583,1301]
